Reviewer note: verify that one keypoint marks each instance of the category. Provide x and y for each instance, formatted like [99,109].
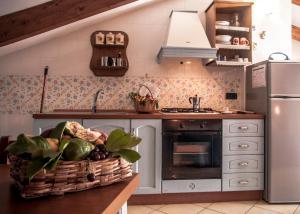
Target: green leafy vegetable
[118,139]
[58,131]
[77,149]
[119,142]
[36,146]
[36,165]
[51,165]
[128,154]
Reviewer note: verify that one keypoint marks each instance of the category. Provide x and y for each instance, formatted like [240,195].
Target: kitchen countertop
[129,114]
[107,199]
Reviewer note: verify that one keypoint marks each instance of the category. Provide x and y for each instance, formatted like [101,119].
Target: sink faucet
[94,107]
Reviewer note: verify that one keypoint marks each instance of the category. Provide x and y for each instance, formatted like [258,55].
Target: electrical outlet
[231,96]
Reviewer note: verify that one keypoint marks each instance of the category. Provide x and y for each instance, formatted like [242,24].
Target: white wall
[274,17]
[10,6]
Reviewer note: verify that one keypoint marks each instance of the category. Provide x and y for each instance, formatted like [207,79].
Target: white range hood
[186,38]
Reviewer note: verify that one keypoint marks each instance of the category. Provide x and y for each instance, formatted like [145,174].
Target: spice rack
[221,10]
[109,59]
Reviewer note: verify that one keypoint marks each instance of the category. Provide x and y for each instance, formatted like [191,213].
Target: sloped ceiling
[50,15]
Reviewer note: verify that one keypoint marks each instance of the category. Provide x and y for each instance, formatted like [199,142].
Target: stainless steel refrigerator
[273,88]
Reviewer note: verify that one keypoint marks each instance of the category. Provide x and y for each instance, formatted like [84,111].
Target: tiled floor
[249,207]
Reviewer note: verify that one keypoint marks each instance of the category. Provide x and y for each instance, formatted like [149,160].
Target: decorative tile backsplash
[22,93]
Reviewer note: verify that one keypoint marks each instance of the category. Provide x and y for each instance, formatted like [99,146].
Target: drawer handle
[243,128]
[244,164]
[244,146]
[244,182]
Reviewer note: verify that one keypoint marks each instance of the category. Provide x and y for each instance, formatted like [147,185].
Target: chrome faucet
[94,107]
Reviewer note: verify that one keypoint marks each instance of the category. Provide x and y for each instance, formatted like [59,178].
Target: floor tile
[204,205]
[282,208]
[207,211]
[257,210]
[155,207]
[181,208]
[231,207]
[156,212]
[298,210]
[139,210]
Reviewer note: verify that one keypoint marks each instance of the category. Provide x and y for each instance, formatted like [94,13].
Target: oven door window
[191,155]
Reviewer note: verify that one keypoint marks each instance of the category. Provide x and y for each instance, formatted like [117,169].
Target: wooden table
[107,200]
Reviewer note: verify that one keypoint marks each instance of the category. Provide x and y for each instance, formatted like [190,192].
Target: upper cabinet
[229,28]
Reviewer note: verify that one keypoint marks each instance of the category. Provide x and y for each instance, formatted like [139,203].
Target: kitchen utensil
[43,91]
[196,102]
[100,38]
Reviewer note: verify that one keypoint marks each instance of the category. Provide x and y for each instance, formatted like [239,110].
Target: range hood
[186,38]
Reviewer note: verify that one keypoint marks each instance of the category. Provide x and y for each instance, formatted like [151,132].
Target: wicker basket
[147,107]
[68,176]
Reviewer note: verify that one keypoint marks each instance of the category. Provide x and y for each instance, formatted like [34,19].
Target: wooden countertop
[106,200]
[127,114]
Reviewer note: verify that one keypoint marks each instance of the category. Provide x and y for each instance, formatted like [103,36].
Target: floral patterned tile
[22,93]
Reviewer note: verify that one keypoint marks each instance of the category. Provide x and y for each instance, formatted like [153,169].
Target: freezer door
[283,151]
[284,79]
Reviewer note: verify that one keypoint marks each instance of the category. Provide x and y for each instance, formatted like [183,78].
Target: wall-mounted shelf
[113,51]
[232,63]
[239,15]
[232,28]
[233,47]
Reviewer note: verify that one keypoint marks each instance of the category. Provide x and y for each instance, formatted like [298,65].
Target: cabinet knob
[244,146]
[243,163]
[244,182]
[243,128]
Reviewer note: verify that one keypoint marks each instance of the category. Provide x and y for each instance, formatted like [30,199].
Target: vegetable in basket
[70,141]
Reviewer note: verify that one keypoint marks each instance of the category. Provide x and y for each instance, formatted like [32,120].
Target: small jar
[100,38]
[119,39]
[110,38]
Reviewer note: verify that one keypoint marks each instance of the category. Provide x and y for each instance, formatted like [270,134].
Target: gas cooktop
[189,110]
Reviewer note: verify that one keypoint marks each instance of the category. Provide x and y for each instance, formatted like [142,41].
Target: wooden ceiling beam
[296,32]
[297,2]
[50,15]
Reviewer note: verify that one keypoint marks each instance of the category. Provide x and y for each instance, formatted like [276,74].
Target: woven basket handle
[141,86]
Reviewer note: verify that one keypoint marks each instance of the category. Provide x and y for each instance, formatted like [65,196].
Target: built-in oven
[191,151]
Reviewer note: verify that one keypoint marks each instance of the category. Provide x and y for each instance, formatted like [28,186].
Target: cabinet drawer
[202,185]
[244,127]
[243,163]
[243,145]
[243,181]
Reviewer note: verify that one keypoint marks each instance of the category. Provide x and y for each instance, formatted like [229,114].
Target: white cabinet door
[149,166]
[40,125]
[107,125]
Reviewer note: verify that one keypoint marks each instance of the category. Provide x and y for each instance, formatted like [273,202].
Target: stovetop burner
[188,110]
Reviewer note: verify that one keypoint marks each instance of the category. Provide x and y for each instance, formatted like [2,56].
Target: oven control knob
[192,186]
[181,125]
[202,125]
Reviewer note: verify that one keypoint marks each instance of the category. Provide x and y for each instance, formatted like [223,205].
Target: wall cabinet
[243,155]
[234,19]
